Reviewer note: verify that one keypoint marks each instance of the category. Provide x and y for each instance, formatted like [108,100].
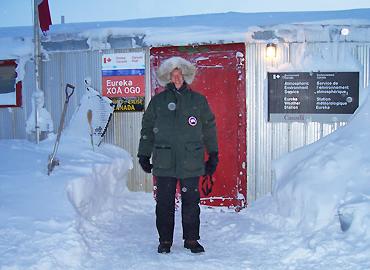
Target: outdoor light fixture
[344,31]
[271,50]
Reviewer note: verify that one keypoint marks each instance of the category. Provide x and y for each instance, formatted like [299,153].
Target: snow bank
[97,196]
[40,229]
[328,181]
[37,221]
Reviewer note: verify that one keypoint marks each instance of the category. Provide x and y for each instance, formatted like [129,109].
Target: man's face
[177,78]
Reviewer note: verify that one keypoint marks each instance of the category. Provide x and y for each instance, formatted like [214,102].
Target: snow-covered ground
[83,216]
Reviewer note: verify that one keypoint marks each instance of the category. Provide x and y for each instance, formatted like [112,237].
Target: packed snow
[83,216]
[329,181]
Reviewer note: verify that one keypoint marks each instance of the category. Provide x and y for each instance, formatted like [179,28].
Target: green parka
[177,127]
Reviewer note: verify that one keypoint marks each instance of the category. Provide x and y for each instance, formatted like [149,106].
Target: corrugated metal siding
[6,121]
[268,141]
[362,53]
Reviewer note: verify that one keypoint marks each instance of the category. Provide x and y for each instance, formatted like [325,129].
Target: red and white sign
[123,86]
[123,75]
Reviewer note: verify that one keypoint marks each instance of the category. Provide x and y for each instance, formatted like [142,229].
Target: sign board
[123,79]
[312,96]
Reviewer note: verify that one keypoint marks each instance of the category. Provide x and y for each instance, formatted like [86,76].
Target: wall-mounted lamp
[271,50]
[344,31]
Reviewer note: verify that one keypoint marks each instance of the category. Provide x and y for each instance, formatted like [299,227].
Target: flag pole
[36,31]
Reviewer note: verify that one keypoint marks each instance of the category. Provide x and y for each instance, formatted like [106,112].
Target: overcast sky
[19,12]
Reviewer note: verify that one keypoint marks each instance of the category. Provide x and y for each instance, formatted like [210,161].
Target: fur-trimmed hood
[165,69]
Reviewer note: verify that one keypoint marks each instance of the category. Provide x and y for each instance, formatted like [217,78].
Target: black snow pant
[165,208]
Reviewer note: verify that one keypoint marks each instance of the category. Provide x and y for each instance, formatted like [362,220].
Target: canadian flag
[44,15]
[107,60]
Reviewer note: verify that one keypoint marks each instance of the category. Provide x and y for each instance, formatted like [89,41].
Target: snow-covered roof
[193,29]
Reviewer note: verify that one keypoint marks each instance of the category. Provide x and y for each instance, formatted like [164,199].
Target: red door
[221,78]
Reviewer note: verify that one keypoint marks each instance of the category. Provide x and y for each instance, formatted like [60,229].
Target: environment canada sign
[123,79]
[312,96]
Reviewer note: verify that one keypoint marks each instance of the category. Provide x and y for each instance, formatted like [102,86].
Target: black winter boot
[164,247]
[194,246]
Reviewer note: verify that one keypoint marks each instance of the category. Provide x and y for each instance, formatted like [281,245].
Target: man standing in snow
[177,127]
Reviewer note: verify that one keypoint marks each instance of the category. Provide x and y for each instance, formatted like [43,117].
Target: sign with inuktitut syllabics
[123,79]
[312,96]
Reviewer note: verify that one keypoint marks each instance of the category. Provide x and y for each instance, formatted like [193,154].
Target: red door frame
[221,78]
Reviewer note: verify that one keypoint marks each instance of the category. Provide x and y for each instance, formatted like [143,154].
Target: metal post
[36,31]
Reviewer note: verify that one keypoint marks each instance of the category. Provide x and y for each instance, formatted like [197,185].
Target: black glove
[211,163]
[145,164]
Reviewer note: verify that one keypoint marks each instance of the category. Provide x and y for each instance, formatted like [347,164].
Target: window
[10,92]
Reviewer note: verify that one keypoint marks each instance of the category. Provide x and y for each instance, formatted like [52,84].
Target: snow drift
[97,196]
[328,181]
